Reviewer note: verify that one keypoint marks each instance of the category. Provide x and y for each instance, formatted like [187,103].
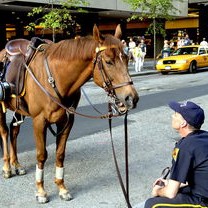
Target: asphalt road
[82,124]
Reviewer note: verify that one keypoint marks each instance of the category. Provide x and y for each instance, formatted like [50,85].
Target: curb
[147,72]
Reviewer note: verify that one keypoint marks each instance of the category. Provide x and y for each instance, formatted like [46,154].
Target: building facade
[106,14]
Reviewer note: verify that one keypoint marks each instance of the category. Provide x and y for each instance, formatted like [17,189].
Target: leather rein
[110,89]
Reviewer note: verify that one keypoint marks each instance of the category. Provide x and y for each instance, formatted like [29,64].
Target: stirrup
[18,122]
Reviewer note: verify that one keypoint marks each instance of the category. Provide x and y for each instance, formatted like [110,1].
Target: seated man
[187,183]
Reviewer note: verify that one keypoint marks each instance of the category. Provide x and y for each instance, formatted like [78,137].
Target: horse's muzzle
[121,106]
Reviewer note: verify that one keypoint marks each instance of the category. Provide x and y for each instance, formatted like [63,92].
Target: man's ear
[184,123]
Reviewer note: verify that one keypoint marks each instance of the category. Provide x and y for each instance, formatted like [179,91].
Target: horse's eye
[108,62]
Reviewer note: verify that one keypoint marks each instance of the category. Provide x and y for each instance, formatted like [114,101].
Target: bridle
[108,86]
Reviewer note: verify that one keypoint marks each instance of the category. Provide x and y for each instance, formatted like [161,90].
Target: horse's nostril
[129,100]
[127,97]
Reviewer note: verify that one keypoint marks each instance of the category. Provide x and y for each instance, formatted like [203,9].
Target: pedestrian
[180,42]
[125,47]
[131,45]
[144,51]
[204,42]
[187,41]
[166,49]
[187,183]
[137,54]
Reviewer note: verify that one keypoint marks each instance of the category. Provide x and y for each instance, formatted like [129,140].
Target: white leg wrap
[39,174]
[59,173]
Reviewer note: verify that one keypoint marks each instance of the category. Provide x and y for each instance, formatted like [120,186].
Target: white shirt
[132,45]
[204,43]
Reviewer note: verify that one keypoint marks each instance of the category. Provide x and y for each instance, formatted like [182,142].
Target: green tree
[153,9]
[56,16]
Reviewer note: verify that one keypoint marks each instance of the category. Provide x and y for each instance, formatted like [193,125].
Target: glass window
[202,51]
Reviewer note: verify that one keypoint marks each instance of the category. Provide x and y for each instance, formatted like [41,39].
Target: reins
[88,100]
[125,190]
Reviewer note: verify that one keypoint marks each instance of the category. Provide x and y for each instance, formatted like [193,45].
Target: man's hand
[155,190]
[166,188]
[158,184]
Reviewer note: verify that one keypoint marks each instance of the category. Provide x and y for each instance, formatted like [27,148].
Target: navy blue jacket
[190,162]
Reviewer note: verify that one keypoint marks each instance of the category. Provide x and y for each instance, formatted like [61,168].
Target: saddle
[20,52]
[16,47]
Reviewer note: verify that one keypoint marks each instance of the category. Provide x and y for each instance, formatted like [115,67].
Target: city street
[89,168]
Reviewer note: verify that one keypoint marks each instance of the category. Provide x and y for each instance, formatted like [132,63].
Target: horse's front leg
[39,127]
[14,131]
[4,134]
[60,155]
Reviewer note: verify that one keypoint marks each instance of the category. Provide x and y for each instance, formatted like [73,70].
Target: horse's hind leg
[4,133]
[14,131]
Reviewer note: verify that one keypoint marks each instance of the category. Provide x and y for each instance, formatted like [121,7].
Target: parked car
[186,58]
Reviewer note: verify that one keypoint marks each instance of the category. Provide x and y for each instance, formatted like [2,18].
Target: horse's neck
[73,77]
[75,67]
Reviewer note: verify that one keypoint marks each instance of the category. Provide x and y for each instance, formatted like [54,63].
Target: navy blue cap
[191,112]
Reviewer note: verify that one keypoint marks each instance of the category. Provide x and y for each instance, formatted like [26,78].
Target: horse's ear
[118,32]
[96,34]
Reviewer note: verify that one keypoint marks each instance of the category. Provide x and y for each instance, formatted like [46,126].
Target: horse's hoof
[7,174]
[66,196]
[42,199]
[20,171]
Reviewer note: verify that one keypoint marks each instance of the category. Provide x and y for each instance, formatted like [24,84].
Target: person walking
[131,46]
[187,183]
[137,54]
[144,51]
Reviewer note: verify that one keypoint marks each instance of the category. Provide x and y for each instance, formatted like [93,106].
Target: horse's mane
[82,47]
[72,48]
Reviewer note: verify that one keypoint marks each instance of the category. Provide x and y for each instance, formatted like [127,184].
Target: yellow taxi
[187,58]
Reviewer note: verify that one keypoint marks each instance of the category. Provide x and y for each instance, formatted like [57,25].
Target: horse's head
[111,71]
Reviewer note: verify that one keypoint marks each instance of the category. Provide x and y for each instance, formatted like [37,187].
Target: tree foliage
[56,15]
[158,28]
[153,8]
[156,10]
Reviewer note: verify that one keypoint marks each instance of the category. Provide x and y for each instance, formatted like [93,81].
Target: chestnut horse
[70,63]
